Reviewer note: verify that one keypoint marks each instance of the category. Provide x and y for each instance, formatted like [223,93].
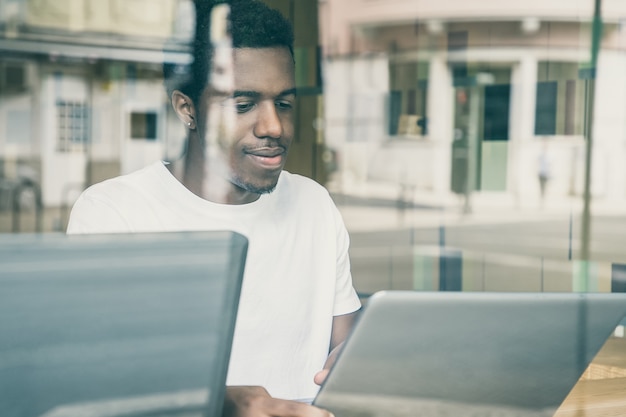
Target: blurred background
[470,145]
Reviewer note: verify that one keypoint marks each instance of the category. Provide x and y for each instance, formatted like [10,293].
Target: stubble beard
[252,188]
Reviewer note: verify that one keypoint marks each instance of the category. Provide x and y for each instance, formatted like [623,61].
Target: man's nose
[268,124]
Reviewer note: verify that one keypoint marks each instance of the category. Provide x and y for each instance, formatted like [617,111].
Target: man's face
[263,103]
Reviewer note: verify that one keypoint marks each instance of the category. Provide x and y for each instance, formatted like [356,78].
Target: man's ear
[184,108]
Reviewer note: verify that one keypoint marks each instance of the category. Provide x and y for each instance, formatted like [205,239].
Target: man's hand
[341,327]
[320,377]
[243,401]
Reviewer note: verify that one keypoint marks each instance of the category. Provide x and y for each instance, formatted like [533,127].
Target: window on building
[545,109]
[496,112]
[143,125]
[13,78]
[457,41]
[73,125]
[560,101]
[408,99]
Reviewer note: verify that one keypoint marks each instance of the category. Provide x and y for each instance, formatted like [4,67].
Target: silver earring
[188,123]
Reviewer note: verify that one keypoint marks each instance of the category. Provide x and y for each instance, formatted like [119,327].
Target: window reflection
[453,139]
[418,118]
[486,117]
[442,115]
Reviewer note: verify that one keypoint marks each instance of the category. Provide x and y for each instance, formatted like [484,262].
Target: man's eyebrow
[256,94]
[291,91]
[246,93]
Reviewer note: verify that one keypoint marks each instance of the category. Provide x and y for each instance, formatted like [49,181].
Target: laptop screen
[452,353]
[107,325]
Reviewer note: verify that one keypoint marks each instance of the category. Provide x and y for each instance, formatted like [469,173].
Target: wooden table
[601,391]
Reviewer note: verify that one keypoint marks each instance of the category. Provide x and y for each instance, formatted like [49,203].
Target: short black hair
[255,25]
[252,24]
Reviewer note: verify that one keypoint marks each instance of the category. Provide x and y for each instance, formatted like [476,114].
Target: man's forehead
[256,58]
[245,71]
[261,69]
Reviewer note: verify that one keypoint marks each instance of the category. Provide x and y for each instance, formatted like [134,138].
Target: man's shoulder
[124,189]
[127,182]
[117,204]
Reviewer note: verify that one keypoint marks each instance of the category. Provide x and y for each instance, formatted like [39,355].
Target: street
[506,252]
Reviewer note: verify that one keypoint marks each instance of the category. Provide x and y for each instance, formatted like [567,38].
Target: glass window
[143,125]
[73,125]
[561,99]
[408,95]
[468,146]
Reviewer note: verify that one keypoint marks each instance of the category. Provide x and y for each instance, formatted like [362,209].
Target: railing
[14,190]
[436,268]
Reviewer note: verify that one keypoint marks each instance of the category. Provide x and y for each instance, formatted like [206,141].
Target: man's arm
[243,401]
[341,328]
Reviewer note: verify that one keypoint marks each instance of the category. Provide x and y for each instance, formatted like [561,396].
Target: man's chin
[264,190]
[256,188]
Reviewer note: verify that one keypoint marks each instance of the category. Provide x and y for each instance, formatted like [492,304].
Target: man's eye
[243,107]
[284,105]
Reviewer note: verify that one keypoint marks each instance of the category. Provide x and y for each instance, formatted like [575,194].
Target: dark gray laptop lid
[112,325]
[443,352]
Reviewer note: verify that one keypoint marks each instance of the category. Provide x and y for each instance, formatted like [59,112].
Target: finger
[332,356]
[320,377]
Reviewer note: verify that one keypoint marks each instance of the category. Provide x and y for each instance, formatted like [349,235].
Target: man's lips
[267,152]
[270,157]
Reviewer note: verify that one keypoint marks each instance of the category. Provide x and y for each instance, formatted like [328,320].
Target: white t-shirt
[297,274]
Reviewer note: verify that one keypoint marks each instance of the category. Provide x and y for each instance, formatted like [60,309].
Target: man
[297,302]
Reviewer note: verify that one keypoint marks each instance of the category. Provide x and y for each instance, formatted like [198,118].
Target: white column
[440,121]
[522,181]
[609,136]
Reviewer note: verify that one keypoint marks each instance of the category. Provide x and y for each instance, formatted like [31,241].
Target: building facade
[478,97]
[82,95]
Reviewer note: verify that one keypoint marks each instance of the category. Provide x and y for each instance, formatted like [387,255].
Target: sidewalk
[374,211]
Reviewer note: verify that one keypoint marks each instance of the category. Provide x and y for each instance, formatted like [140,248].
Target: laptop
[117,325]
[468,353]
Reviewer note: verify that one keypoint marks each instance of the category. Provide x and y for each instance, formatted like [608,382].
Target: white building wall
[63,173]
[106,120]
[356,112]
[29,129]
[138,17]
[141,96]
[426,163]
[567,153]
[355,108]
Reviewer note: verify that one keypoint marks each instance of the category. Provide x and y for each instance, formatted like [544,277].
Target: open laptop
[468,354]
[117,325]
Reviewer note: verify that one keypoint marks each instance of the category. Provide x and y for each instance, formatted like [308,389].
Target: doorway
[481,130]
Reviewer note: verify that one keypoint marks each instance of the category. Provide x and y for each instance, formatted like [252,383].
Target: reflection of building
[452,94]
[82,94]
